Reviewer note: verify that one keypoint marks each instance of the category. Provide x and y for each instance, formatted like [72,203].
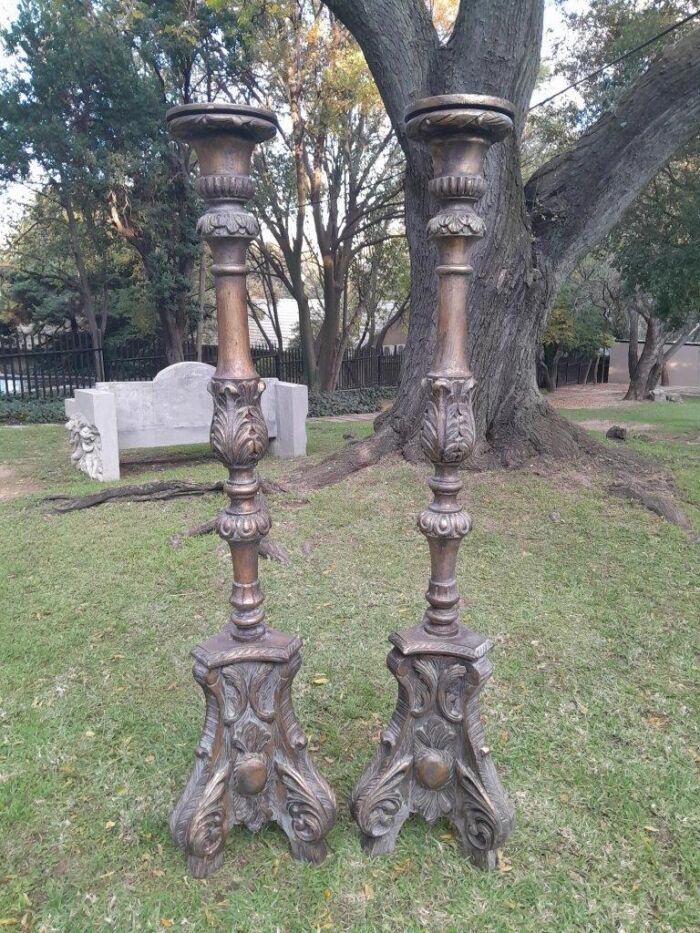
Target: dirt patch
[609,395]
[12,486]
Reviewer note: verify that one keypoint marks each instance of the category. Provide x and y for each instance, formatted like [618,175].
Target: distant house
[288,315]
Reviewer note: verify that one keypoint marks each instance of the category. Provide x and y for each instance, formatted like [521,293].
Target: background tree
[658,252]
[64,105]
[329,190]
[185,51]
[538,231]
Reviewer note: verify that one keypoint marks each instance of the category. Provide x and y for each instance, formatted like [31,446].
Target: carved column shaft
[433,759]
[252,764]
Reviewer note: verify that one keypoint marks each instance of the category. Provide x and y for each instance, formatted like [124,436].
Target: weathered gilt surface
[433,758]
[252,765]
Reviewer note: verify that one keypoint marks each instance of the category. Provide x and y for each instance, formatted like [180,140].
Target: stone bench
[175,408]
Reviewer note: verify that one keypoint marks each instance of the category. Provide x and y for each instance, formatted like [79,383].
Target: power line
[616,61]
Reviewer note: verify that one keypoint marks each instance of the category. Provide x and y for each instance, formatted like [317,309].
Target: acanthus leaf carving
[450,692]
[482,821]
[235,694]
[425,685]
[205,834]
[448,433]
[457,223]
[238,430]
[381,798]
[311,810]
[228,223]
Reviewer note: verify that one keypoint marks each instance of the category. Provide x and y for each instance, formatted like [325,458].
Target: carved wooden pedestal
[252,765]
[433,758]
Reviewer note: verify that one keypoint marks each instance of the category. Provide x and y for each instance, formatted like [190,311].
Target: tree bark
[536,233]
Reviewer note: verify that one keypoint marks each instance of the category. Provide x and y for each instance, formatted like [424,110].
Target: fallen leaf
[319,680]
[90,734]
[166,922]
[503,863]
[8,921]
[110,824]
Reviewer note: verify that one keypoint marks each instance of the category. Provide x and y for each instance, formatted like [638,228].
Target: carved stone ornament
[252,765]
[433,759]
[86,446]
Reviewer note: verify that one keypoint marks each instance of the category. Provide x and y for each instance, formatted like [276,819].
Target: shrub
[348,401]
[31,411]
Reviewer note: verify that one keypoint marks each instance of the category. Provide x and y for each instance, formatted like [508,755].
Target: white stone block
[292,409]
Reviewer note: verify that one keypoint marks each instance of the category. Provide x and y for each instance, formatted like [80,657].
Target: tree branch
[579,196]
[394,36]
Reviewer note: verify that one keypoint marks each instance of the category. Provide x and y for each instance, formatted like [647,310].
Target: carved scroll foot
[252,765]
[433,759]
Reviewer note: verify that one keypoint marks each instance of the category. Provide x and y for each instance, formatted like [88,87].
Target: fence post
[278,364]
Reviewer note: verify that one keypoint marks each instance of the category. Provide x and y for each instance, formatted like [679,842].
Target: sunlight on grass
[591,714]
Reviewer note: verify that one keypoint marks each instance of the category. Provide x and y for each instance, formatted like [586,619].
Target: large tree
[537,230]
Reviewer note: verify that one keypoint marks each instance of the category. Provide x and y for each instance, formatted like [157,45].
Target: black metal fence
[54,366]
[40,366]
[573,370]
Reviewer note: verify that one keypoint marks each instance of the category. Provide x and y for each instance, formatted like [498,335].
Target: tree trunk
[535,234]
[86,296]
[329,342]
[173,336]
[633,345]
[648,369]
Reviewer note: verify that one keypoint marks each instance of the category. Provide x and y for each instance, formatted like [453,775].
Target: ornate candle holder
[252,765]
[433,758]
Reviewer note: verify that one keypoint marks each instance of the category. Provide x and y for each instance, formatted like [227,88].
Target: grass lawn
[591,714]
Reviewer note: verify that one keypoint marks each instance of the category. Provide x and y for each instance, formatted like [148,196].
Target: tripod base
[433,759]
[252,765]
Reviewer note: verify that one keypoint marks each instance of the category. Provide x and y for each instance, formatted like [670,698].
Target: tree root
[148,492]
[358,455]
[269,549]
[659,503]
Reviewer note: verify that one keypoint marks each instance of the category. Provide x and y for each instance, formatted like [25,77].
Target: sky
[14,197]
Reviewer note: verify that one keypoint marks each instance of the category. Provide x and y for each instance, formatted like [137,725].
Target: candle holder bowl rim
[223,109]
[426,105]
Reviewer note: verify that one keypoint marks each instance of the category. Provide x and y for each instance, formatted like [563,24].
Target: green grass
[591,714]
[667,416]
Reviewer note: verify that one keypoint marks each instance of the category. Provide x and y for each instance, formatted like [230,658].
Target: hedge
[32,411]
[348,401]
[321,404]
